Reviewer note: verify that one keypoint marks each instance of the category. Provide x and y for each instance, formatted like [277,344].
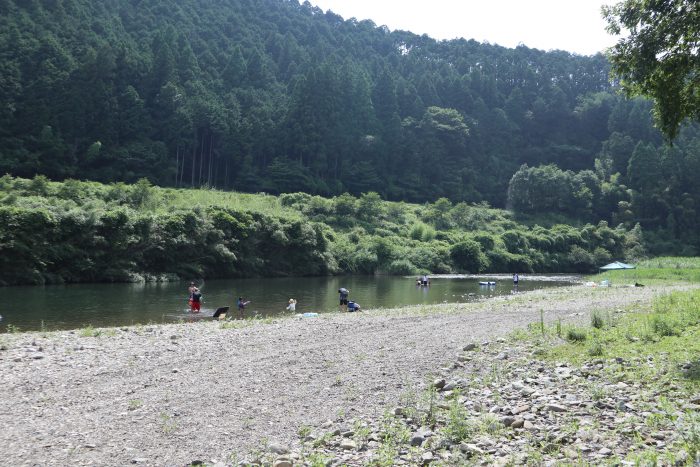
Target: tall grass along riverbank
[76,231]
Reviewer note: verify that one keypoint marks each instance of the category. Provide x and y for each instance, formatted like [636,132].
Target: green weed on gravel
[89,331]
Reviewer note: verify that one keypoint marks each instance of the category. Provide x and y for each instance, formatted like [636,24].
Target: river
[56,307]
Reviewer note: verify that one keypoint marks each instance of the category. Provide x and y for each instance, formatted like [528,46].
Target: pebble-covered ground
[295,390]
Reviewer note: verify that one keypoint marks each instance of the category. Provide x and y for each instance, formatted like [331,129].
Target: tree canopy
[279,96]
[660,57]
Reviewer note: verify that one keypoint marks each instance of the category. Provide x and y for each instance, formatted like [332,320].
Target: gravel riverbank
[175,394]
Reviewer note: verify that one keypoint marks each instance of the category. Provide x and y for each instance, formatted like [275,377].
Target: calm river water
[100,305]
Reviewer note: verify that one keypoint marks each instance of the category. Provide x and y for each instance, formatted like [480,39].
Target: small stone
[604,452]
[470,449]
[277,448]
[469,347]
[555,408]
[451,386]
[283,462]
[348,445]
[399,411]
[175,370]
[38,356]
[507,421]
[139,460]
[416,439]
[520,409]
[518,423]
[439,383]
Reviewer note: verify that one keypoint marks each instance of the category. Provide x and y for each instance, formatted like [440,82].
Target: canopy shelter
[616,265]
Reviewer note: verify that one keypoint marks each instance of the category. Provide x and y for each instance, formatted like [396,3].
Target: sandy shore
[174,394]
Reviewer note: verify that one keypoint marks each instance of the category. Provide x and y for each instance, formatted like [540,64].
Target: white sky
[571,25]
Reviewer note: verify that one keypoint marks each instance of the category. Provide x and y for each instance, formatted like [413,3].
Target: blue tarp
[616,265]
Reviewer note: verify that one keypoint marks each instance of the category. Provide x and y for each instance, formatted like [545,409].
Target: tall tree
[659,58]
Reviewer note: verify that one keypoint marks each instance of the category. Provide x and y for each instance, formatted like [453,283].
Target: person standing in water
[292,305]
[343,298]
[190,289]
[195,301]
[241,302]
[516,279]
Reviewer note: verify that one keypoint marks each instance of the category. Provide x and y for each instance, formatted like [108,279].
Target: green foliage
[467,255]
[576,335]
[240,95]
[656,56]
[597,320]
[422,232]
[459,426]
[86,231]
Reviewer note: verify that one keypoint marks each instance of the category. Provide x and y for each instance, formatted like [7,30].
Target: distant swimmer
[292,305]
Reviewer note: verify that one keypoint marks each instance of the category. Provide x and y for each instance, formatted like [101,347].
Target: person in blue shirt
[352,306]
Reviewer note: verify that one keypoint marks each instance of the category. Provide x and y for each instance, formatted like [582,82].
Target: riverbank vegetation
[669,327]
[73,231]
[660,270]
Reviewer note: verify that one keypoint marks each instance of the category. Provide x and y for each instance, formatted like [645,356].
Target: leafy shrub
[402,267]
[422,232]
[576,335]
[597,320]
[467,255]
[596,349]
[665,325]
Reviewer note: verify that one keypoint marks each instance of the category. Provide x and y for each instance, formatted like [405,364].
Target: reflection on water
[75,306]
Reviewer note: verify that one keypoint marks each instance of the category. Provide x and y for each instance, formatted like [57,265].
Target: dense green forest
[73,231]
[279,97]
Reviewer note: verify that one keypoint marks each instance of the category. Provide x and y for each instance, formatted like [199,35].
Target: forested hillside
[277,96]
